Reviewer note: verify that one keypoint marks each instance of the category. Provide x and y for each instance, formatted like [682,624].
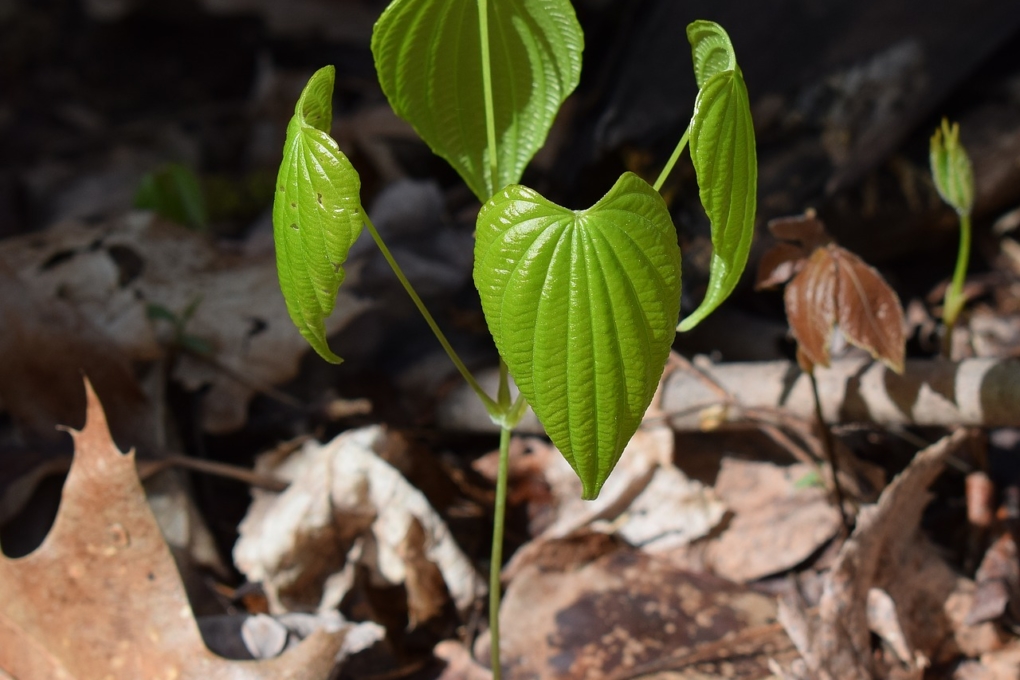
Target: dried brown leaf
[998,582]
[101,597]
[776,524]
[622,611]
[837,287]
[811,307]
[799,236]
[779,264]
[427,594]
[115,273]
[869,311]
[805,230]
[887,551]
[45,347]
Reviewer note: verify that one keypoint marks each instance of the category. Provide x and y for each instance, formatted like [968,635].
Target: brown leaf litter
[589,606]
[125,281]
[889,580]
[101,597]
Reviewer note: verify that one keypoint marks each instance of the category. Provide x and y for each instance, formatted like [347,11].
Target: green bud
[951,169]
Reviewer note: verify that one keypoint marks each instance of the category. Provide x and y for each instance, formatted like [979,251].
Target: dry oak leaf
[101,597]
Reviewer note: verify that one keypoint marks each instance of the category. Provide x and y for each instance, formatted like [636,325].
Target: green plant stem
[954,294]
[496,561]
[829,447]
[490,405]
[672,160]
[490,109]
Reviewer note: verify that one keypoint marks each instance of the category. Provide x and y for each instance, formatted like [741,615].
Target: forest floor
[334,521]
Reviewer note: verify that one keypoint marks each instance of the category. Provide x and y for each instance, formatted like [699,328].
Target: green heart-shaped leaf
[723,153]
[429,61]
[582,306]
[317,213]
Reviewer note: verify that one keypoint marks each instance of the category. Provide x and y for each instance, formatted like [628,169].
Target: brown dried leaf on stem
[831,286]
[102,598]
[837,287]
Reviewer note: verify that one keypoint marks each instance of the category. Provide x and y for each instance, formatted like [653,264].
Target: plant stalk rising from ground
[582,304]
[954,180]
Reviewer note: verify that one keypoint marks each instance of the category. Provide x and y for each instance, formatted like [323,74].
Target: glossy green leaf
[711,50]
[317,213]
[428,58]
[723,153]
[950,167]
[582,306]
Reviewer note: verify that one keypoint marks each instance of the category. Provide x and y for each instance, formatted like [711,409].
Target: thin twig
[148,468]
[830,453]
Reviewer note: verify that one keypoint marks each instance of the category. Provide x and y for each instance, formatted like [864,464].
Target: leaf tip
[688,323]
[95,416]
[315,106]
[321,347]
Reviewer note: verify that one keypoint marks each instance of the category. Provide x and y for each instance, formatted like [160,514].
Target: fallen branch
[974,392]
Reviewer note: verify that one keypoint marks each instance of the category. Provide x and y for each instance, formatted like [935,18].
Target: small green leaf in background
[583,307]
[951,168]
[317,213]
[174,192]
[428,58]
[724,157]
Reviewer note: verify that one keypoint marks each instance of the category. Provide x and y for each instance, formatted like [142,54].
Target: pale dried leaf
[101,597]
[997,581]
[648,500]
[458,663]
[671,512]
[649,449]
[1001,664]
[884,622]
[303,543]
[775,526]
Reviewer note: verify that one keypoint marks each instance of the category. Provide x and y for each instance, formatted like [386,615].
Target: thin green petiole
[490,109]
[954,294]
[672,160]
[490,405]
[496,561]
